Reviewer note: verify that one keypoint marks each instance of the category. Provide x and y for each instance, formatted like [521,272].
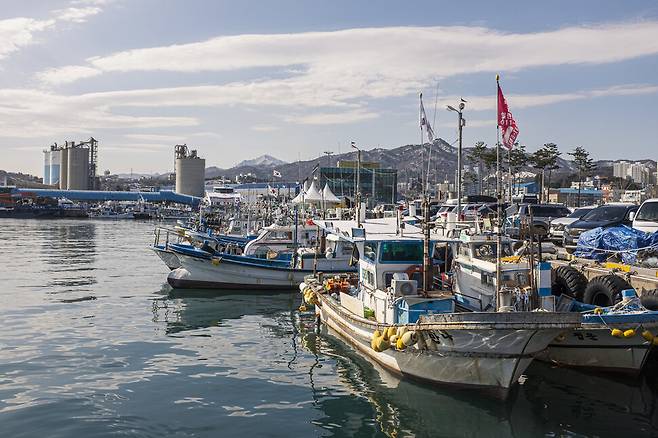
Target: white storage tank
[55,166]
[46,167]
[78,169]
[190,175]
[63,169]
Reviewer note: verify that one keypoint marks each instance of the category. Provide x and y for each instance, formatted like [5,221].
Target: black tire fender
[649,299]
[605,290]
[569,281]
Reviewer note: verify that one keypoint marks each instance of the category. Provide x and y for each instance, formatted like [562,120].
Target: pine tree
[476,156]
[584,164]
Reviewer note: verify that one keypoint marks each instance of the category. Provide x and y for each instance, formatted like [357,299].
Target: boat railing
[166,233]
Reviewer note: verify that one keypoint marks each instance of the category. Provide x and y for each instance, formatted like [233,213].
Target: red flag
[506,122]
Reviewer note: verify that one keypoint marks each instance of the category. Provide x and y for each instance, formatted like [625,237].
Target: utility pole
[461,122]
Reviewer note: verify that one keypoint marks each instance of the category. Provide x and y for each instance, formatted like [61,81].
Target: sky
[291,78]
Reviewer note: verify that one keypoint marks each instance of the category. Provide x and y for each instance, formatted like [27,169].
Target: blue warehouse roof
[590,192]
[97,195]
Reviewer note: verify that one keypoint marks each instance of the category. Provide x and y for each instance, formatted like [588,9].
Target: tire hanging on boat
[605,290]
[649,299]
[569,281]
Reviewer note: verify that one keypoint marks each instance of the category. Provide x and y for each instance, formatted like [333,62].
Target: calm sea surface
[94,343]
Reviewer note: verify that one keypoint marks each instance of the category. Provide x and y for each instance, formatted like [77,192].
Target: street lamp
[357,195]
[461,124]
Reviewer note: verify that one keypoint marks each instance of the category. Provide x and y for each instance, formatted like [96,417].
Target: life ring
[415,269]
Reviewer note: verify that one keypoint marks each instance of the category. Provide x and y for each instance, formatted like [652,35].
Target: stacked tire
[605,290]
[569,281]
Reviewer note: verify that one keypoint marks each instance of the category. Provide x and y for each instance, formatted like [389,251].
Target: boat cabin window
[370,251]
[401,252]
[487,251]
[464,251]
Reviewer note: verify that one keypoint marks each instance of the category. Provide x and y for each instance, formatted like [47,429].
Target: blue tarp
[600,243]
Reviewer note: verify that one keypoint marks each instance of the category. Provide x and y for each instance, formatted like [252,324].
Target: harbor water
[94,343]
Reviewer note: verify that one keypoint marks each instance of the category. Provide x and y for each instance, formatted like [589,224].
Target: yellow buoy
[408,339]
[381,344]
[393,339]
[647,335]
[376,334]
[391,331]
[629,333]
[617,333]
[399,344]
[302,308]
[598,311]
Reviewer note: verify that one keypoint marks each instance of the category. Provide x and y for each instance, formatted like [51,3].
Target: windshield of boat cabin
[400,252]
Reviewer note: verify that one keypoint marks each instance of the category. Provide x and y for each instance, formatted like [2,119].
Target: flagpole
[420,118]
[509,164]
[498,196]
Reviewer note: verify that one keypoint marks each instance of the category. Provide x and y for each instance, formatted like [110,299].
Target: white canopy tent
[313,195]
[328,196]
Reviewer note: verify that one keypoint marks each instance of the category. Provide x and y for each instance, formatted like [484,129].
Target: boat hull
[596,348]
[478,358]
[169,258]
[225,273]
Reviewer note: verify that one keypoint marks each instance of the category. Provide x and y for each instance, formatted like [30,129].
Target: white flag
[276,173]
[425,122]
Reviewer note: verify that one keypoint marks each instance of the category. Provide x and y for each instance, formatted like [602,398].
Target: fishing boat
[204,268]
[417,332]
[616,338]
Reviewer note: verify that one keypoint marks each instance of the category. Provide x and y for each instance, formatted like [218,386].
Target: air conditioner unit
[404,287]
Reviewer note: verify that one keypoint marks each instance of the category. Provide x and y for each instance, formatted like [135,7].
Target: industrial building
[71,166]
[378,186]
[190,171]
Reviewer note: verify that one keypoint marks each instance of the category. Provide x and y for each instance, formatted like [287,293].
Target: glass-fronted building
[378,186]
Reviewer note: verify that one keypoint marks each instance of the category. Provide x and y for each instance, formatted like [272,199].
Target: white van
[646,218]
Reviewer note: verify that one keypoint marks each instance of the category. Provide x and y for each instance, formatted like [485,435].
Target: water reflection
[551,402]
[68,250]
[195,309]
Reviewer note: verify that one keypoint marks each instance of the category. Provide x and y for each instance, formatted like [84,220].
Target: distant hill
[263,161]
[407,159]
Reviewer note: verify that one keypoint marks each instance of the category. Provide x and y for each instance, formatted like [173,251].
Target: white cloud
[337,67]
[65,75]
[157,137]
[265,128]
[77,15]
[520,101]
[34,114]
[16,33]
[332,118]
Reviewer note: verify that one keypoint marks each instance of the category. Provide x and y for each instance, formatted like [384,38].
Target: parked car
[609,215]
[542,215]
[557,225]
[646,218]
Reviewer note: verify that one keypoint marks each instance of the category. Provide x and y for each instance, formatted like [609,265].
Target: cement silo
[63,169]
[78,168]
[46,167]
[55,166]
[190,172]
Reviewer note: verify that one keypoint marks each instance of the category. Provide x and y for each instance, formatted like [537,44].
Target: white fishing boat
[592,345]
[204,268]
[416,333]
[613,339]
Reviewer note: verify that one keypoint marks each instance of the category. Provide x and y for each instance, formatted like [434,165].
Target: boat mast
[499,207]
